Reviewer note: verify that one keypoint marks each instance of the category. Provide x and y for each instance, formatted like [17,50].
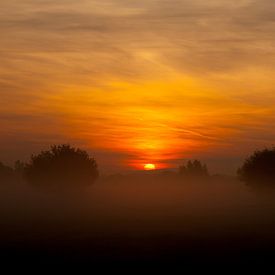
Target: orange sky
[137,82]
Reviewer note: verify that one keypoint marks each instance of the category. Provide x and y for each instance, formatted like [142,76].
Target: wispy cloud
[139,73]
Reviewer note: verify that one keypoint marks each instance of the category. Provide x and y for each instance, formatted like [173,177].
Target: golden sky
[134,82]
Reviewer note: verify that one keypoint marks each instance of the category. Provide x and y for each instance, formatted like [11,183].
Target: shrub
[193,169]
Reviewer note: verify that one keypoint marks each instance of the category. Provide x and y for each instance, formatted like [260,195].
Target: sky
[136,82]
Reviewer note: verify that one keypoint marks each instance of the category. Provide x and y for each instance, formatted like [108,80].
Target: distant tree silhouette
[259,168]
[19,167]
[62,165]
[193,169]
[6,172]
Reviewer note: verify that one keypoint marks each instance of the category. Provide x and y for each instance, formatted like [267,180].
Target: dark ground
[136,223]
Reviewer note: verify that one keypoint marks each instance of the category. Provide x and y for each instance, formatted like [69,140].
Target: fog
[137,218]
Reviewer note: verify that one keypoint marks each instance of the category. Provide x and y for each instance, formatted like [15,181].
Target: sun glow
[149,166]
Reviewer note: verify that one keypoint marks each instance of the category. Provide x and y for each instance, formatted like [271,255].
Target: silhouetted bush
[6,173]
[259,168]
[62,165]
[193,169]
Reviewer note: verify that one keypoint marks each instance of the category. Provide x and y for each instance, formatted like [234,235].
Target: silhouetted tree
[6,172]
[62,165]
[193,169]
[259,168]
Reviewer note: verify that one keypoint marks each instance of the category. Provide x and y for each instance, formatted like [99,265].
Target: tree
[193,169]
[62,165]
[259,168]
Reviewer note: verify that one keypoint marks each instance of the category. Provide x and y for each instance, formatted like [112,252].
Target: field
[142,220]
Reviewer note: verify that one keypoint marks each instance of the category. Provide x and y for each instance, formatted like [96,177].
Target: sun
[149,166]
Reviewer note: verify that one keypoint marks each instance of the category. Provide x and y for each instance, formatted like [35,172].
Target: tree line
[64,165]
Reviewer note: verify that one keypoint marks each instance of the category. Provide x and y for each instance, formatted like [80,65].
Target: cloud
[80,61]
[188,36]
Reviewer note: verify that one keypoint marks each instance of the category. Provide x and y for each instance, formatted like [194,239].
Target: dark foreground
[138,223]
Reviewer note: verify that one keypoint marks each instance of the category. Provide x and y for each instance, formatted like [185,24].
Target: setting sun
[149,166]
